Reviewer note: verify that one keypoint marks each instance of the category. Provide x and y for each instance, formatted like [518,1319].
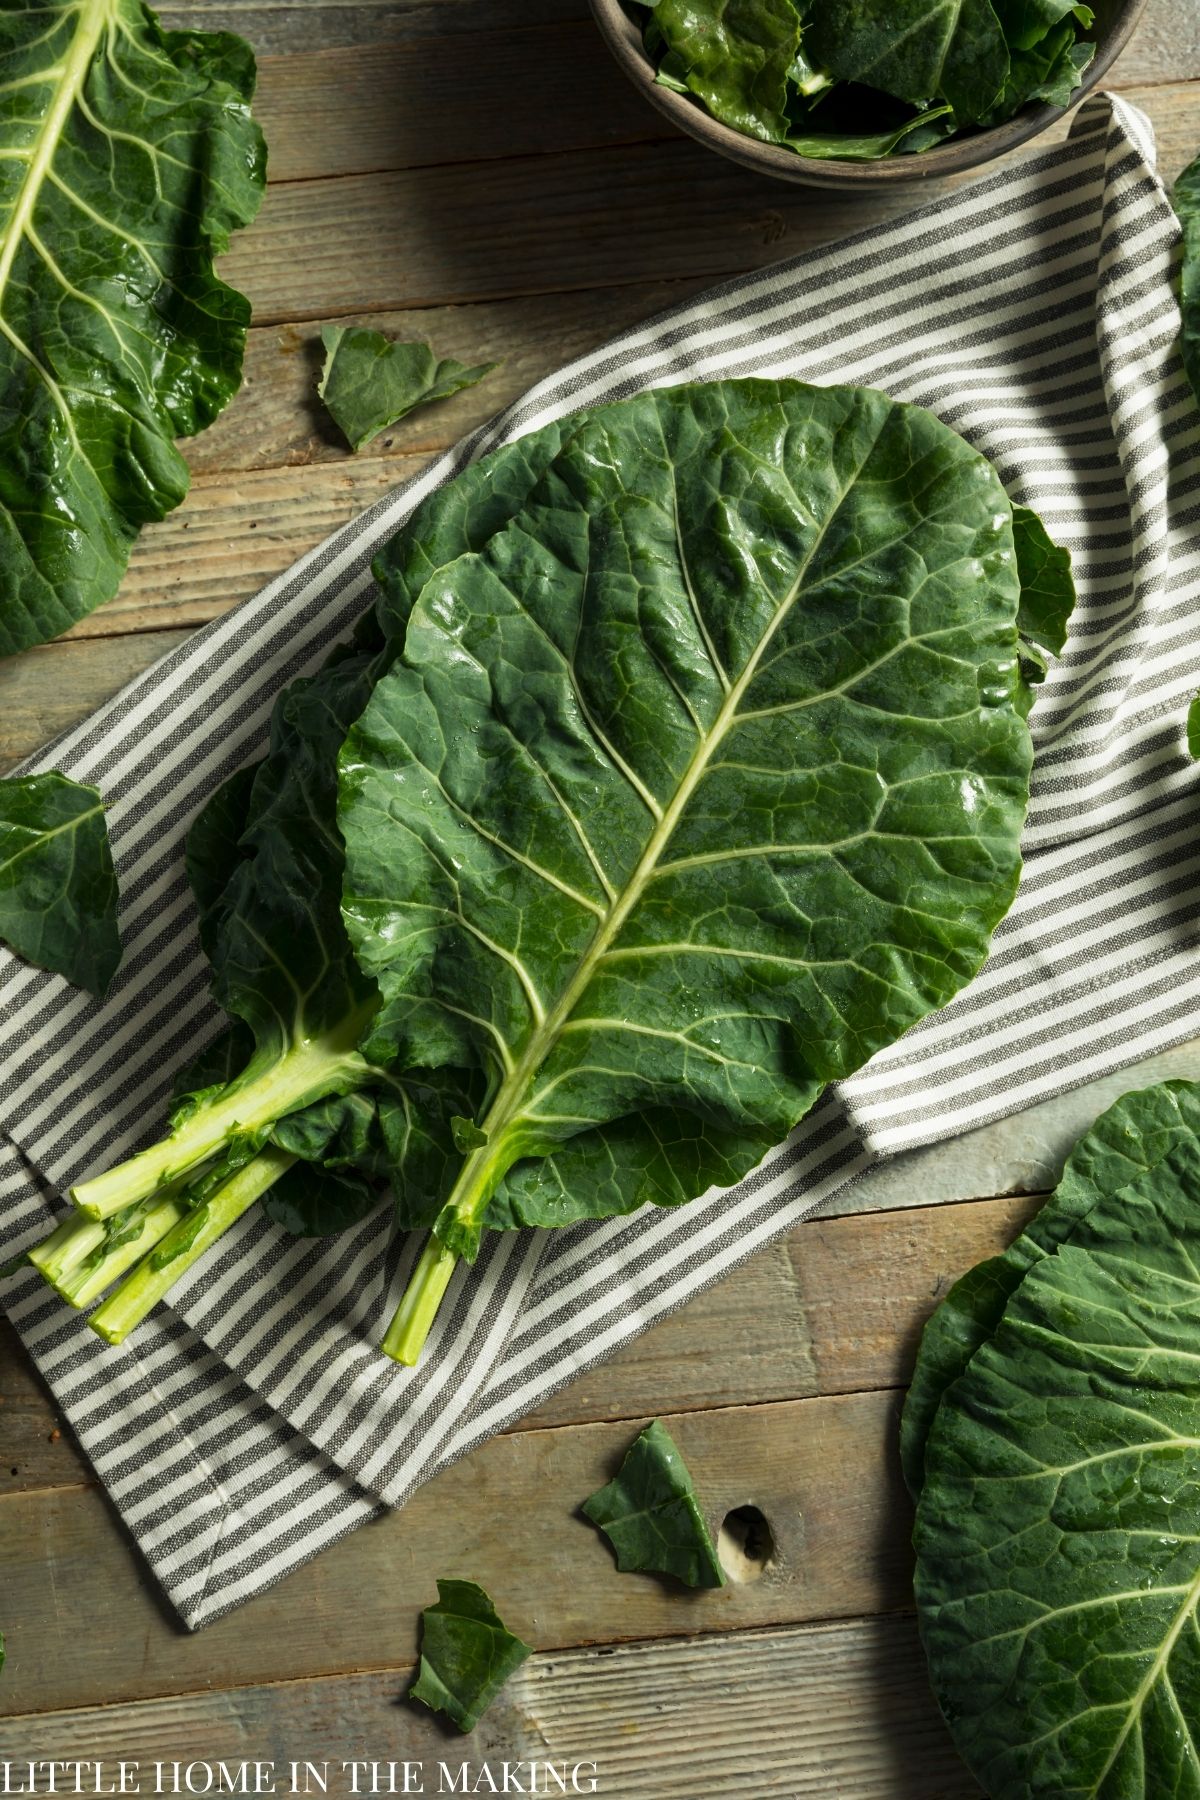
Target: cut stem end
[416,1312]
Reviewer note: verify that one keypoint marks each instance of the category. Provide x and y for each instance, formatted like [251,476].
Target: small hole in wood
[745,1544]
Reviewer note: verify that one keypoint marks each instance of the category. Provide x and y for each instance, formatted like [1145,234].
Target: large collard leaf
[701,782]
[467,1654]
[1058,1530]
[370,382]
[128,157]
[651,1516]
[735,56]
[1137,1134]
[917,50]
[58,887]
[1185,198]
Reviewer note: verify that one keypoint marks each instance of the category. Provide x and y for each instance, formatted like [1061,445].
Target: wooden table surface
[476,172]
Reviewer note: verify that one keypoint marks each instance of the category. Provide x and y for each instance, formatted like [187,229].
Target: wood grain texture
[447,100]
[806,1713]
[46,691]
[287,27]
[531,225]
[1166,47]
[824,1473]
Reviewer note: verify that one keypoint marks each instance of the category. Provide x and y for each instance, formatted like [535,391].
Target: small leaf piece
[1047,586]
[651,1516]
[467,1654]
[370,382]
[1185,198]
[58,887]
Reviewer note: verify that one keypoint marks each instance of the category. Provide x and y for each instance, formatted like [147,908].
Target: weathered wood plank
[794,1714]
[447,100]
[287,27]
[1165,48]
[234,533]
[425,100]
[46,691]
[581,219]
[823,1472]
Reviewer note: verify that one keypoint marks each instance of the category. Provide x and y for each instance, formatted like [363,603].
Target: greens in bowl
[861,80]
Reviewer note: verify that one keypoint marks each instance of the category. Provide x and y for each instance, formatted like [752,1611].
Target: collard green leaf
[467,1654]
[1050,72]
[703,780]
[1132,1139]
[1047,595]
[651,1517]
[370,381]
[319,1202]
[1185,198]
[214,848]
[1058,1530]
[129,157]
[58,887]
[1028,22]
[1193,729]
[918,50]
[834,146]
[735,56]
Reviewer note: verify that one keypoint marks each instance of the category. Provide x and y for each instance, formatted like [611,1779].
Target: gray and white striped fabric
[253,1422]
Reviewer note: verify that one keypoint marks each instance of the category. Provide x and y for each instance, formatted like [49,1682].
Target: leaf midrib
[505,1108]
[42,838]
[94,17]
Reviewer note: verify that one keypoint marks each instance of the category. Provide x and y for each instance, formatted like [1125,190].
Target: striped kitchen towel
[252,1421]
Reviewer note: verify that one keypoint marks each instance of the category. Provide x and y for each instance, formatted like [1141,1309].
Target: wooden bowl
[1115,23]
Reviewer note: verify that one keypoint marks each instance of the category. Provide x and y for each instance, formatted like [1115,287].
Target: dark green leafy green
[650,1515]
[370,381]
[1027,22]
[914,49]
[1193,729]
[467,1654]
[639,816]
[320,1202]
[265,863]
[129,156]
[1047,588]
[835,146]
[1133,1138]
[1058,1528]
[735,56]
[58,887]
[1185,198]
[863,79]
[1050,72]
